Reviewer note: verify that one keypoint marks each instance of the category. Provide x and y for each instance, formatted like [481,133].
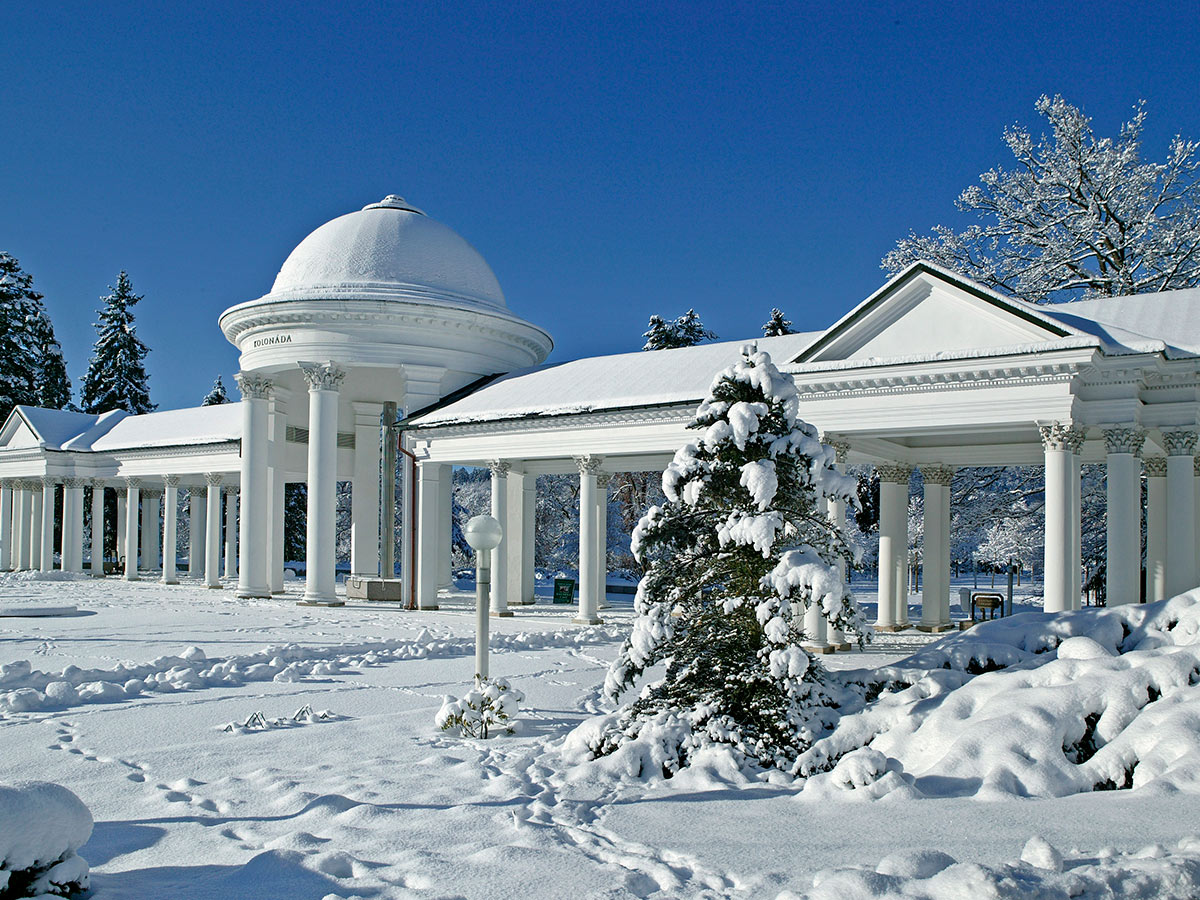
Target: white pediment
[927,314]
[17,434]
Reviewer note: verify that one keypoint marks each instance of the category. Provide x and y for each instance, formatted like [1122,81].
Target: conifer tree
[19,305]
[685,331]
[733,558]
[777,325]
[116,377]
[217,395]
[51,384]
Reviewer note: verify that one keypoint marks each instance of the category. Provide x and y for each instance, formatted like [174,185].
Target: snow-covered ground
[373,801]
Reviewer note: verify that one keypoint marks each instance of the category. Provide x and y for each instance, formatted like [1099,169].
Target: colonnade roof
[55,429]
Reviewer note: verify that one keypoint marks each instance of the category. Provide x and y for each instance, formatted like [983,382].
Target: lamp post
[483,533]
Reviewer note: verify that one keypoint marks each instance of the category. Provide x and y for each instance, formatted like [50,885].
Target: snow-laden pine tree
[116,377]
[777,324]
[685,331]
[20,309]
[217,395]
[733,559]
[1077,216]
[50,380]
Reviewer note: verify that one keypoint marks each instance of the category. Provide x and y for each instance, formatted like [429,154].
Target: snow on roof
[619,380]
[1140,323]
[56,427]
[175,427]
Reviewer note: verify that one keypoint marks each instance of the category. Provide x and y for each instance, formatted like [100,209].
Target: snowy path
[376,803]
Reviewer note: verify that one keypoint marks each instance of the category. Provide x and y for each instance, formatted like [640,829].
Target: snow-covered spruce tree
[20,305]
[1077,216]
[733,558]
[777,324]
[50,380]
[685,331]
[217,395]
[116,377]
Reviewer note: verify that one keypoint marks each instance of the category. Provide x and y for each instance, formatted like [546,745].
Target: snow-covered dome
[388,250]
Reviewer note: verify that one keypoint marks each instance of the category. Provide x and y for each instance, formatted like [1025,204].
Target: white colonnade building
[386,316]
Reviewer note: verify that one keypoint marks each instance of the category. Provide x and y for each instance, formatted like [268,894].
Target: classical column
[836,510]
[1061,563]
[22,525]
[197,531]
[1123,514]
[429,529]
[231,532]
[446,518]
[1076,519]
[277,488]
[72,524]
[6,526]
[514,536]
[97,528]
[1180,444]
[151,509]
[589,601]
[1196,483]
[935,596]
[365,490]
[324,382]
[212,530]
[499,470]
[893,546]
[45,539]
[816,627]
[256,517]
[170,518]
[132,492]
[602,482]
[1156,528]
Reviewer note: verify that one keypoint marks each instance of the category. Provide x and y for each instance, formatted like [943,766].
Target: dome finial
[394,201]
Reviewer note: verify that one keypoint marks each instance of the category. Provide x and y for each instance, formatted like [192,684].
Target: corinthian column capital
[323,376]
[1124,439]
[1063,436]
[254,387]
[1179,441]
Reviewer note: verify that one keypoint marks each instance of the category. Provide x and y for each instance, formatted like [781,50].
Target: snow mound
[1040,874]
[1036,705]
[41,827]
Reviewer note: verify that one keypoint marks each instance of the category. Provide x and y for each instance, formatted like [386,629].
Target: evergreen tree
[20,305]
[777,325]
[51,383]
[116,377]
[733,558]
[217,395]
[685,331]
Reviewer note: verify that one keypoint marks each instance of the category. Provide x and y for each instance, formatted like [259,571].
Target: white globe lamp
[484,534]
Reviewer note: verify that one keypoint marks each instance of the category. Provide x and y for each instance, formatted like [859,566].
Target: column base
[253,594]
[844,648]
[594,621]
[935,629]
[529,602]
[820,649]
[891,628]
[427,608]
[170,581]
[320,602]
[215,587]
[502,614]
[131,578]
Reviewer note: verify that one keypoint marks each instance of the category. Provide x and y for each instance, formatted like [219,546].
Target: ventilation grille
[297,435]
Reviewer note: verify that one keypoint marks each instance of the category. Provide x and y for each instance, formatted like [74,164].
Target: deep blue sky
[608,164]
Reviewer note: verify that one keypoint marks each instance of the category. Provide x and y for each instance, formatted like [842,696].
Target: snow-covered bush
[493,703]
[734,557]
[41,827]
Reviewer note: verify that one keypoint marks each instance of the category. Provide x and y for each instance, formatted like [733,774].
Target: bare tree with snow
[1077,216]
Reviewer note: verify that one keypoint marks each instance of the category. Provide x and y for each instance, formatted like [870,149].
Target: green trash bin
[564,590]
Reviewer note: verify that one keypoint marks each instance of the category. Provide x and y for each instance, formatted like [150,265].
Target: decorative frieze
[1124,440]
[1063,436]
[1179,441]
[589,465]
[1155,466]
[938,474]
[323,376]
[895,473]
[254,387]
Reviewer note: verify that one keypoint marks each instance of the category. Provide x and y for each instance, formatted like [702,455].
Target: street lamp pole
[483,533]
